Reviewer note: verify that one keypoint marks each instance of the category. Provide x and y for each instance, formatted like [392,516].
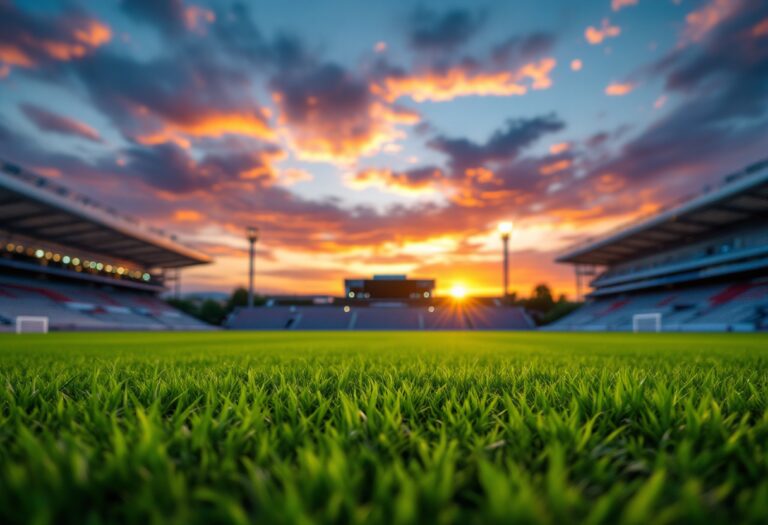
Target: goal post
[31,324]
[650,322]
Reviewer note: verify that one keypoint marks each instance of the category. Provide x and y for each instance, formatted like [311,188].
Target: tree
[212,312]
[239,298]
[541,299]
[186,306]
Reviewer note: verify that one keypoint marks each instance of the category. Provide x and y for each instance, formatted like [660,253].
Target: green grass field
[383,428]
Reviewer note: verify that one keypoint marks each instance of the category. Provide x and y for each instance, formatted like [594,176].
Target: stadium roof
[742,196]
[34,206]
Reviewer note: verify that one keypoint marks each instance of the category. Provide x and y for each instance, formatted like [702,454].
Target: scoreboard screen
[389,288]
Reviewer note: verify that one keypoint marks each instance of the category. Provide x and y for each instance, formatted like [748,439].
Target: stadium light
[252,234]
[505,230]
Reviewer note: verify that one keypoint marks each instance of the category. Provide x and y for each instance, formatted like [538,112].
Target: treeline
[212,311]
[542,305]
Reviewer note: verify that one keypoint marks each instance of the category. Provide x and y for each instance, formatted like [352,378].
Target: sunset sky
[371,137]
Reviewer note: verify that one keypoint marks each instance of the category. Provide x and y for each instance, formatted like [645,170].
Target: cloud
[618,89]
[760,29]
[617,5]
[560,147]
[458,81]
[291,176]
[503,145]
[722,83]
[596,35]
[554,167]
[169,16]
[30,41]
[413,181]
[187,216]
[576,64]
[179,98]
[442,32]
[48,121]
[330,114]
[700,22]
[169,168]
[511,68]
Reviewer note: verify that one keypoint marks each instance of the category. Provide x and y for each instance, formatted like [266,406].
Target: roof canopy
[33,206]
[740,198]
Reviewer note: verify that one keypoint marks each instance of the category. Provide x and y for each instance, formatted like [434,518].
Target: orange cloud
[560,147]
[13,56]
[210,125]
[319,138]
[659,102]
[94,33]
[410,182]
[439,86]
[576,64]
[617,89]
[291,176]
[560,165]
[194,16]
[187,216]
[760,29]
[617,5]
[380,47]
[27,50]
[702,21]
[596,35]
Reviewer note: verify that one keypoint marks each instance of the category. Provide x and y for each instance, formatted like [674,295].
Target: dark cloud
[332,113]
[176,98]
[518,50]
[31,41]
[167,167]
[720,123]
[166,15]
[430,30]
[503,145]
[48,121]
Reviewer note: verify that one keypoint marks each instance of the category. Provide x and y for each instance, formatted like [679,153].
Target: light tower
[505,230]
[252,234]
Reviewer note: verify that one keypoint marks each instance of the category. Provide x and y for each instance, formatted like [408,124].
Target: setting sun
[458,291]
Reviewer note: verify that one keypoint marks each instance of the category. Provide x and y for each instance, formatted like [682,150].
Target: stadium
[384,263]
[696,265]
[700,264]
[73,264]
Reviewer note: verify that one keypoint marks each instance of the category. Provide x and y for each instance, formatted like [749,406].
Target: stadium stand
[701,263]
[384,303]
[83,265]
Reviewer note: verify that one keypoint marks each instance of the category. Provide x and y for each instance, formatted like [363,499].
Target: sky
[384,137]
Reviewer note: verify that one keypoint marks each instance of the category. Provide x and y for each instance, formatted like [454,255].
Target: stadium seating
[740,306]
[373,317]
[69,306]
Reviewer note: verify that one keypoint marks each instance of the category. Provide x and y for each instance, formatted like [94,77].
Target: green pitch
[383,428]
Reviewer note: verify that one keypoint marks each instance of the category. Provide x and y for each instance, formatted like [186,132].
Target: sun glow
[458,291]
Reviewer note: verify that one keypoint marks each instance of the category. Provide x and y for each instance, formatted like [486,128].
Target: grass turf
[383,428]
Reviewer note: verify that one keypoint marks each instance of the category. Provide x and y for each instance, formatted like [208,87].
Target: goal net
[646,322]
[27,324]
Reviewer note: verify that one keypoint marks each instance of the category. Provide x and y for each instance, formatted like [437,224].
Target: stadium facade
[386,302]
[699,264]
[82,265]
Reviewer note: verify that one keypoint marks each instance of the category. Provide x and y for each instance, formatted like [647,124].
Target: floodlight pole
[505,241]
[253,236]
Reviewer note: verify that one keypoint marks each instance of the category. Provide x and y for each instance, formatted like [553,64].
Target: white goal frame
[637,318]
[20,320]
